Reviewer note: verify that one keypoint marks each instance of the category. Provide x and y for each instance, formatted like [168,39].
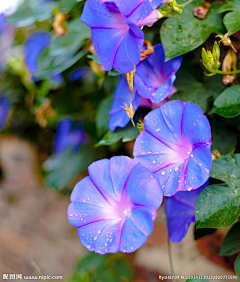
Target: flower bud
[216,52]
[229,62]
[201,11]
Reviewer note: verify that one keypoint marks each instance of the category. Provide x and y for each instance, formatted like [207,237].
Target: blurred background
[54,103]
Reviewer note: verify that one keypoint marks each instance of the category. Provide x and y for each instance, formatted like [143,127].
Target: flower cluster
[115,206]
[153,82]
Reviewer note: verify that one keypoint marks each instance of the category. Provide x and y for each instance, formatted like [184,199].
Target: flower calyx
[225,40]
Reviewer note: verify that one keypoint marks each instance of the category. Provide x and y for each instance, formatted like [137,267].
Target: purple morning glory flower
[68,138]
[175,146]
[113,207]
[154,78]
[121,95]
[180,211]
[115,28]
[78,73]
[4,110]
[32,48]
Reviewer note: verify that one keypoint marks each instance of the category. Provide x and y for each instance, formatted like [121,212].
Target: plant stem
[228,72]
[170,260]
[188,2]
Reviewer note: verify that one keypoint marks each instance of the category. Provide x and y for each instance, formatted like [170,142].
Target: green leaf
[62,52]
[217,206]
[94,58]
[227,103]
[231,243]
[62,168]
[229,6]
[199,233]
[91,262]
[67,5]
[30,12]
[223,138]
[102,117]
[187,32]
[190,89]
[126,134]
[227,169]
[237,265]
[232,21]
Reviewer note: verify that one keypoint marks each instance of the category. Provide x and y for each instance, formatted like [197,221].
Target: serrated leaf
[232,22]
[126,134]
[227,169]
[231,243]
[102,117]
[227,103]
[62,168]
[190,89]
[237,265]
[217,206]
[187,32]
[30,12]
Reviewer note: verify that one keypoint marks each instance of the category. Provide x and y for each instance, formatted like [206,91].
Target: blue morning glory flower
[180,211]
[68,138]
[78,73]
[32,48]
[176,146]
[113,207]
[4,110]
[115,30]
[122,95]
[154,78]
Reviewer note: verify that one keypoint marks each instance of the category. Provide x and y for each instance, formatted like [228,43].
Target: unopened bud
[201,11]
[228,63]
[216,52]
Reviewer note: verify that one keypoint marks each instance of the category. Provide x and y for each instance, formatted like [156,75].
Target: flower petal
[199,166]
[196,126]
[4,110]
[142,188]
[32,48]
[100,174]
[137,227]
[164,91]
[102,236]
[120,168]
[180,212]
